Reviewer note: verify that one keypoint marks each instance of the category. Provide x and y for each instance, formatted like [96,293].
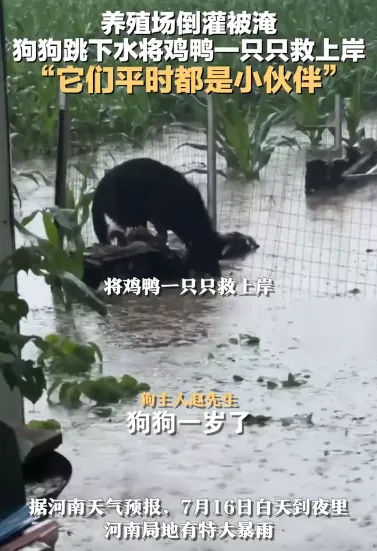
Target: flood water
[312,327]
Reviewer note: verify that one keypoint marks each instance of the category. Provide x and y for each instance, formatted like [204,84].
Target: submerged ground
[189,344]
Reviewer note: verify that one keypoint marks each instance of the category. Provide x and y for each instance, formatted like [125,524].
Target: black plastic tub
[46,476]
[322,175]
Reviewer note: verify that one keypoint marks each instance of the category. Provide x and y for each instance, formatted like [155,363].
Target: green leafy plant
[58,356]
[353,113]
[243,136]
[49,424]
[71,220]
[353,107]
[99,118]
[62,272]
[101,391]
[311,115]
[68,357]
[35,175]
[143,116]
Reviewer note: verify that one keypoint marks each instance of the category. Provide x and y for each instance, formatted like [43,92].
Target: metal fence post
[11,402]
[211,159]
[338,123]
[62,157]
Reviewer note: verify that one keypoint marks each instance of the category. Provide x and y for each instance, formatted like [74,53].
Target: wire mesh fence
[310,246]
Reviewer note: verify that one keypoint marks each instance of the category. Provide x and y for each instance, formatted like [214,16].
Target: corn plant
[142,117]
[63,228]
[78,210]
[353,109]
[35,175]
[243,137]
[311,115]
[34,99]
[353,87]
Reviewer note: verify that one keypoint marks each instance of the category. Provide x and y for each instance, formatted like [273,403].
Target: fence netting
[309,246]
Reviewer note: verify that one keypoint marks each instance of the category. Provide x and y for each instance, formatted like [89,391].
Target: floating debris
[38,490]
[102,411]
[306,419]
[259,420]
[263,420]
[354,291]
[291,382]
[236,245]
[249,340]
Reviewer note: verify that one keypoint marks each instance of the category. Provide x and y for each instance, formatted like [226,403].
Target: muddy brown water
[313,326]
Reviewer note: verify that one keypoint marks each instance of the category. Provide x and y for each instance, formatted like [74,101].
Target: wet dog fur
[144,190]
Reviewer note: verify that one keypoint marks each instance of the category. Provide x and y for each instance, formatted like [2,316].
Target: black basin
[46,476]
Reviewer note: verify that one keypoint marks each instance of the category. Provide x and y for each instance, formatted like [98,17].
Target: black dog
[144,190]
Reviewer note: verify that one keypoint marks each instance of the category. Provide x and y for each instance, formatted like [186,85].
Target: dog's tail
[99,223]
